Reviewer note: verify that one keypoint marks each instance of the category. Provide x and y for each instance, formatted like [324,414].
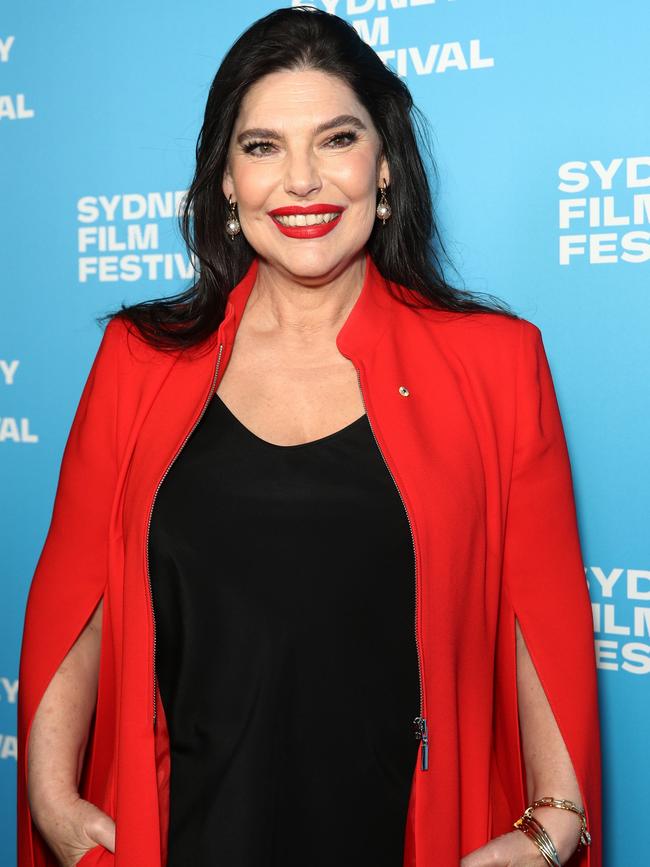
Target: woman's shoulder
[122,340]
[127,368]
[138,368]
[487,323]
[503,357]
[489,338]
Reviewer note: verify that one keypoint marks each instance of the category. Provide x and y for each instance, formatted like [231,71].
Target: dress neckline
[291,446]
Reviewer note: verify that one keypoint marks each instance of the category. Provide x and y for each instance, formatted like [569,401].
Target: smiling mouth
[305,219]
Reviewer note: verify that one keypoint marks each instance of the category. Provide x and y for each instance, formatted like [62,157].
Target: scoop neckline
[290,445]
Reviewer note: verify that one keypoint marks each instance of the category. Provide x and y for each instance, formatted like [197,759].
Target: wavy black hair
[408,249]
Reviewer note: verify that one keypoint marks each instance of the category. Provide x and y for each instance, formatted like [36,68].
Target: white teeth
[305,219]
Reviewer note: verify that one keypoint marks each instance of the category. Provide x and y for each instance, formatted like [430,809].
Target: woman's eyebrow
[339,120]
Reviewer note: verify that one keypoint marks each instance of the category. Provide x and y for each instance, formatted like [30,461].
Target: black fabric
[283,587]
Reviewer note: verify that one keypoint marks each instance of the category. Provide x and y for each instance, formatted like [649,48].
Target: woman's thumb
[101,828]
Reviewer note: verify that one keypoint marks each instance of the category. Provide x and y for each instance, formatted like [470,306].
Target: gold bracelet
[531,827]
[564,804]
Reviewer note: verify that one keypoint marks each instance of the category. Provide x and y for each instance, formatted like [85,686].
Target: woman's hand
[72,826]
[514,849]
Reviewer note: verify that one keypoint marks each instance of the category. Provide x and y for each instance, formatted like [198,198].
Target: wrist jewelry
[529,825]
[564,804]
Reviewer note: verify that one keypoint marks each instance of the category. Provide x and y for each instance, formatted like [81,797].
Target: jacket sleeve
[544,576]
[71,571]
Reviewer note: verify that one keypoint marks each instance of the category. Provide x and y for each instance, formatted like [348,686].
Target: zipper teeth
[408,518]
[153,502]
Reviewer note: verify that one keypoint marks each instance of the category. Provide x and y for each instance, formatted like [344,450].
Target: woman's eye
[262,148]
[252,145]
[343,138]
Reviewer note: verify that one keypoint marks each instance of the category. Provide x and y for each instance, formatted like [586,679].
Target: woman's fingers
[100,827]
[72,826]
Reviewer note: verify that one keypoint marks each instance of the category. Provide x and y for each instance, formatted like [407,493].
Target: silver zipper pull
[421,733]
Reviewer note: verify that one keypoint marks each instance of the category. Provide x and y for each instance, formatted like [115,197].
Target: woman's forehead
[286,95]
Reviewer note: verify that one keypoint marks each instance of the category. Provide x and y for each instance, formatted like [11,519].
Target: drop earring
[383,208]
[233,226]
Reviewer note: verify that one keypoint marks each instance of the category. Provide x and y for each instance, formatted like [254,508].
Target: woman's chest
[443,444]
[290,390]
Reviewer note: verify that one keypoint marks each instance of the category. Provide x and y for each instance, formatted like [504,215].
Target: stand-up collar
[365,322]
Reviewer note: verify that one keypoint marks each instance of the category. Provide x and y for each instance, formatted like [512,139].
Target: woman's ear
[227,185]
[384,172]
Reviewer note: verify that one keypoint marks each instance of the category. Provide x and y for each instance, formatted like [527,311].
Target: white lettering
[606,650]
[359,7]
[11,689]
[451,57]
[609,626]
[640,616]
[573,180]
[642,621]
[574,176]
[475,59]
[635,656]
[633,578]
[606,582]
[131,206]
[440,57]
[601,211]
[633,179]
[13,108]
[606,175]
[8,747]
[571,209]
[16,430]
[8,369]
[5,48]
[637,653]
[379,35]
[362,7]
[107,238]
[150,266]
[427,67]
[602,247]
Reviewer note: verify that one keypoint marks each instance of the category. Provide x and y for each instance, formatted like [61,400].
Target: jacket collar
[365,323]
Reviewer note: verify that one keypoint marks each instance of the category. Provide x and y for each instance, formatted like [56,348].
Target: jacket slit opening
[87,760]
[582,857]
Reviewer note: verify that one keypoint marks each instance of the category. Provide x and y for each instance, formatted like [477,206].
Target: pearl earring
[383,208]
[232,223]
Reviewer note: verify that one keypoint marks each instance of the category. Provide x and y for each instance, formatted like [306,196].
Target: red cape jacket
[464,411]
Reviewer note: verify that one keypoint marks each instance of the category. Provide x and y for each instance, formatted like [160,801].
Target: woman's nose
[302,175]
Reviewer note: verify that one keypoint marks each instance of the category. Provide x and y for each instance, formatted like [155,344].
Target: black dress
[283,589]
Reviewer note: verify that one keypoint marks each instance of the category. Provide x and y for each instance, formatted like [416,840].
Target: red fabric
[478,451]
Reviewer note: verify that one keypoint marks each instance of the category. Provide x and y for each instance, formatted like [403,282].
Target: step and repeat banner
[541,137]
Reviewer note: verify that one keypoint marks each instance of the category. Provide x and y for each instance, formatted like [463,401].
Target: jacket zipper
[153,502]
[420,722]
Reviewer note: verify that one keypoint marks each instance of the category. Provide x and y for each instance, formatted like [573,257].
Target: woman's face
[302,139]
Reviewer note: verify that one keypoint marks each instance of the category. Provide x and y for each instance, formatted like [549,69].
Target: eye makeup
[349,137]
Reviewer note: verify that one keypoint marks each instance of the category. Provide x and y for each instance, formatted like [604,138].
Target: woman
[313,573]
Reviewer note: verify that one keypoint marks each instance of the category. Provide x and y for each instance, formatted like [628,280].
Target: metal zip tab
[421,732]
[153,502]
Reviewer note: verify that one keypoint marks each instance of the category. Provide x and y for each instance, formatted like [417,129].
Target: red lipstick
[317,230]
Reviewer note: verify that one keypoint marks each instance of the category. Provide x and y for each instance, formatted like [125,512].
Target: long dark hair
[407,250]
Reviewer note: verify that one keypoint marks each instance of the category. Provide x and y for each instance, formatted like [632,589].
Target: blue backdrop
[541,136]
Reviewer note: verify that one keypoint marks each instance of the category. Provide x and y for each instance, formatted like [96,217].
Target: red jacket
[464,411]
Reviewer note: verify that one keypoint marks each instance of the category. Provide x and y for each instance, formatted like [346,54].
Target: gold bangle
[565,804]
[531,827]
